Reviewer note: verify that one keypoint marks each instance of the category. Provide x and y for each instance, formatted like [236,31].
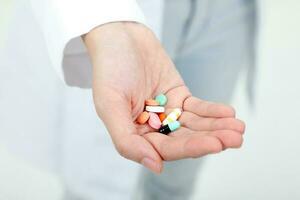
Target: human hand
[130,66]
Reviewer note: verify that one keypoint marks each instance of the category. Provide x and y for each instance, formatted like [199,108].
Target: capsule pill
[173,116]
[166,129]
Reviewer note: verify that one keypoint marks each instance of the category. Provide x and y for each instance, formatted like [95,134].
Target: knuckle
[216,148]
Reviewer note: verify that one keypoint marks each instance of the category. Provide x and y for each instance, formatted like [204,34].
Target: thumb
[115,111]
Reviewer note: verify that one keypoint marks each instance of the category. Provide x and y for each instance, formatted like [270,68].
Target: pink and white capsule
[173,116]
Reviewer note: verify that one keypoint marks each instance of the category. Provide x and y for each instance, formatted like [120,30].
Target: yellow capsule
[173,116]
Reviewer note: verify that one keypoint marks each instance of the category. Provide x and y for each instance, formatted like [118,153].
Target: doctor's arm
[60,21]
[129,66]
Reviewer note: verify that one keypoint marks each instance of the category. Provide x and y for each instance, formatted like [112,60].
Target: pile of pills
[155,115]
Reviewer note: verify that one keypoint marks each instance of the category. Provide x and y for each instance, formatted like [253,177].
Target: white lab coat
[47,124]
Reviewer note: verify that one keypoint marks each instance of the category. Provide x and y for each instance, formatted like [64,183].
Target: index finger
[207,109]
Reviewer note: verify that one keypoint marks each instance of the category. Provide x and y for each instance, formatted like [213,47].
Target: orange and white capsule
[173,116]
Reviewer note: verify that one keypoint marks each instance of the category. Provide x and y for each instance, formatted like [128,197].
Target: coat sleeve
[63,20]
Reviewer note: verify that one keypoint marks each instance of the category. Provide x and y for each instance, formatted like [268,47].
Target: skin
[130,66]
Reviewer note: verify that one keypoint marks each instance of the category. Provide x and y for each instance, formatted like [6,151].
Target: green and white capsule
[166,129]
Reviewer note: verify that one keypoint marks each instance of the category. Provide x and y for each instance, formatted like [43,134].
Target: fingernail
[151,164]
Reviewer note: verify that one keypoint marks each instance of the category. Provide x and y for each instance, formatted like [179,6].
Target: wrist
[120,31]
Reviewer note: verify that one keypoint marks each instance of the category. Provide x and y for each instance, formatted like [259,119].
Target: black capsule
[165,129]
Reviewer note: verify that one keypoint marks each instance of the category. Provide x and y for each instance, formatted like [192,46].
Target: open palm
[130,66]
